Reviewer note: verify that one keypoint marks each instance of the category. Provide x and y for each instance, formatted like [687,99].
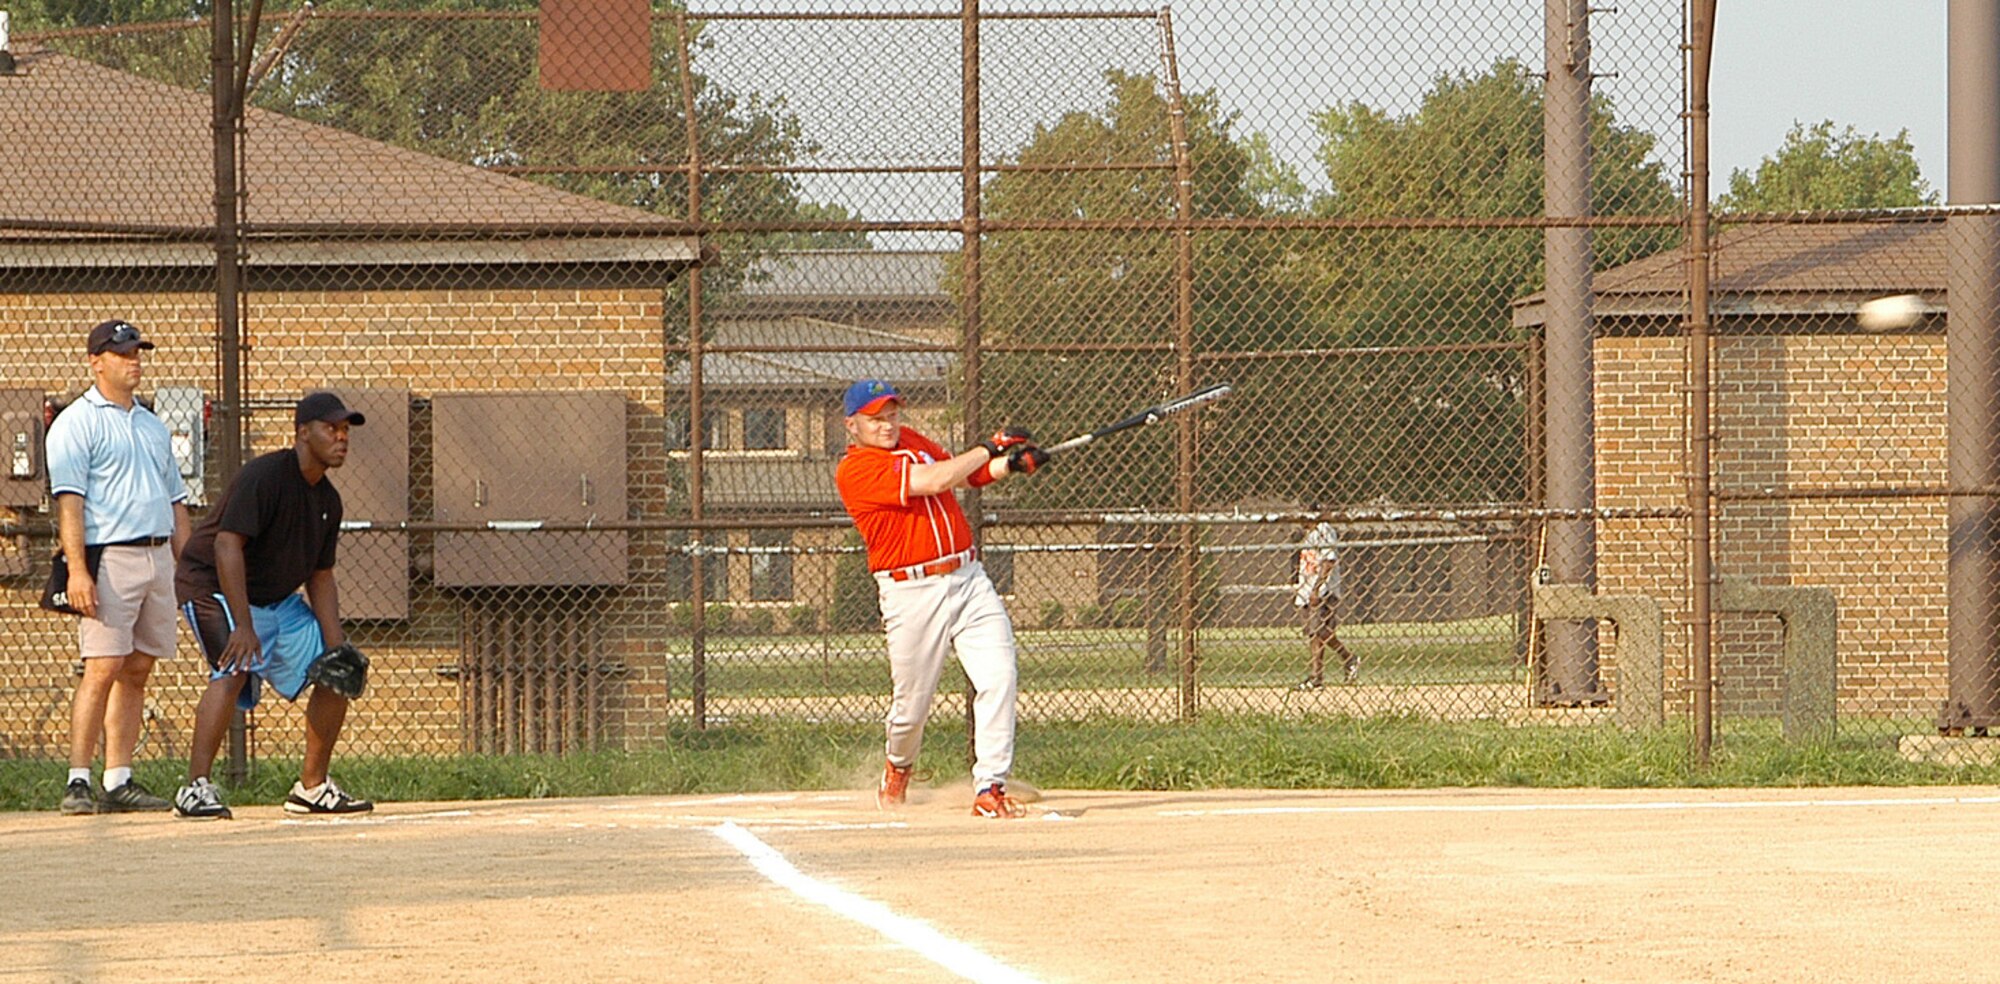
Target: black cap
[116,336]
[327,407]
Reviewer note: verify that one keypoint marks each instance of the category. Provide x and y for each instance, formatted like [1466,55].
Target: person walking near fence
[897,486]
[119,499]
[276,530]
[1317,595]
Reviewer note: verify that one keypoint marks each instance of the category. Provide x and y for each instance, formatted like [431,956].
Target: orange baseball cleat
[895,786]
[994,802]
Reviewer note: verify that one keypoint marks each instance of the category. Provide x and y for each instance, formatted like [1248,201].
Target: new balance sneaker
[1310,683]
[78,799]
[200,800]
[327,797]
[895,786]
[132,798]
[1353,671]
[994,802]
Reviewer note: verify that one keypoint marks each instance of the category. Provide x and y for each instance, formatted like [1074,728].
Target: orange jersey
[900,530]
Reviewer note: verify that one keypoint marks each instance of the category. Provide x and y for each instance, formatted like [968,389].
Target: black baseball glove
[342,669]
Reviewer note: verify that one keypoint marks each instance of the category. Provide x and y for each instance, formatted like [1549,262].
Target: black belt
[140,541]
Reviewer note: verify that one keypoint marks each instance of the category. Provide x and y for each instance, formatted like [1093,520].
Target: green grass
[1389,752]
[1467,651]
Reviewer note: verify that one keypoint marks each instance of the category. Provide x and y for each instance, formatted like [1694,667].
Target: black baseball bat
[1208,394]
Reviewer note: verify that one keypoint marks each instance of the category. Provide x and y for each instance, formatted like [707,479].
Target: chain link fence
[597,274]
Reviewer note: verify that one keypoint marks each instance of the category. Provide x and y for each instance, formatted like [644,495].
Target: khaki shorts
[135,604]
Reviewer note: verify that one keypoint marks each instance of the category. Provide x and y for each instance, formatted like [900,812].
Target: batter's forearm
[942,476]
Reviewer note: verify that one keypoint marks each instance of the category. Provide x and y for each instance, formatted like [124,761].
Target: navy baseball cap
[327,407]
[868,396]
[116,336]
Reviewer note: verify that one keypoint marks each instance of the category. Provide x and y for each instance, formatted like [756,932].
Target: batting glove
[1006,439]
[1024,460]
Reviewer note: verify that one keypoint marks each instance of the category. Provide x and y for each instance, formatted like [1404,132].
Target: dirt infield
[1530,885]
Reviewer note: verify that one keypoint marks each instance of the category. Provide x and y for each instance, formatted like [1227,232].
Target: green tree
[1275,184]
[1819,168]
[1411,426]
[1103,289]
[47,15]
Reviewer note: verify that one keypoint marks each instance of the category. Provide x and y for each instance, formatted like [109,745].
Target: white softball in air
[1894,311]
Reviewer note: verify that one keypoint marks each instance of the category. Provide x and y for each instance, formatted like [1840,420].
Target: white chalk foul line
[912,934]
[1560,807]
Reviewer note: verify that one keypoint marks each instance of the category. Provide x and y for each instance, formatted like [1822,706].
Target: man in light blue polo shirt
[120,502]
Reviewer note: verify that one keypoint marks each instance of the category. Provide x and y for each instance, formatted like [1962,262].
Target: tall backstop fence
[597,272]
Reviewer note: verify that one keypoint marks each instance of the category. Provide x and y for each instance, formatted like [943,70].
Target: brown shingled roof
[1779,269]
[89,143]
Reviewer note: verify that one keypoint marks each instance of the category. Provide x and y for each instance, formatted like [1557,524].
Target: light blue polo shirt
[122,463]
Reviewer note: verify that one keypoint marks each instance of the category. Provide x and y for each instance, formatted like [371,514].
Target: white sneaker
[327,797]
[200,800]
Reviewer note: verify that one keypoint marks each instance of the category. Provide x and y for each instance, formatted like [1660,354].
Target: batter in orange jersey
[897,485]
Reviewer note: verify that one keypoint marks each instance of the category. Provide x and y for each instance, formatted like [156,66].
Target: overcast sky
[881,92]
[1876,64]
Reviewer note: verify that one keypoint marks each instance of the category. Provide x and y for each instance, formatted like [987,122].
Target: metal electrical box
[374,566]
[516,461]
[184,410]
[24,480]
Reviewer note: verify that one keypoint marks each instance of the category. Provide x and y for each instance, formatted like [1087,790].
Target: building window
[771,573]
[836,433]
[677,431]
[763,430]
[714,576]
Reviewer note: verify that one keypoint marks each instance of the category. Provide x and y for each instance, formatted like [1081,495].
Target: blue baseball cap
[868,396]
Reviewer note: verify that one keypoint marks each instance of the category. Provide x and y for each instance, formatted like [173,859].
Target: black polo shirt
[292,527]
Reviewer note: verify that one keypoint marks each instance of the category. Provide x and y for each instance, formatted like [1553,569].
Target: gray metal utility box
[513,460]
[374,567]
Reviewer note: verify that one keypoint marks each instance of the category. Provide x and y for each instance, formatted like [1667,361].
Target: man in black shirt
[238,582]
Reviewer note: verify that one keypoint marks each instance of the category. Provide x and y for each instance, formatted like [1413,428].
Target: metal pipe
[1972,370]
[697,431]
[1570,677]
[472,679]
[467,680]
[246,42]
[970,218]
[1700,427]
[592,702]
[509,717]
[675,168]
[859,16]
[443,231]
[552,662]
[228,287]
[1184,342]
[277,50]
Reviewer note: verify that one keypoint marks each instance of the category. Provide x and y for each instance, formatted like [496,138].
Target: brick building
[1804,398]
[367,267]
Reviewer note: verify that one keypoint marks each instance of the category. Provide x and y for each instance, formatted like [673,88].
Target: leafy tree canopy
[1818,167]
[1082,289]
[1443,426]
